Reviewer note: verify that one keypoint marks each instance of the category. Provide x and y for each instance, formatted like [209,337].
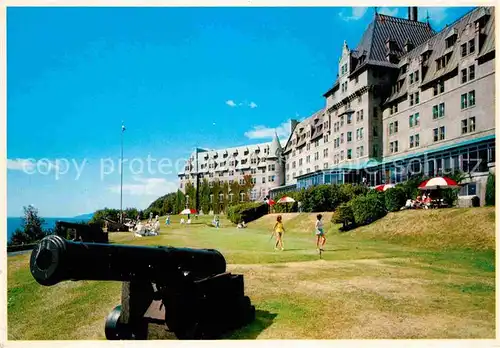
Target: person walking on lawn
[279,230]
[320,233]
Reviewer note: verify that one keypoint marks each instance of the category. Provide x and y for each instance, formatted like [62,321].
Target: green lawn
[413,274]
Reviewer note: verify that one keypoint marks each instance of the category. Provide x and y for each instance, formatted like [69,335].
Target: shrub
[395,198]
[343,215]
[246,212]
[490,190]
[367,209]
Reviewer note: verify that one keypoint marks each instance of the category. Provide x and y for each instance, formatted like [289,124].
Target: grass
[413,274]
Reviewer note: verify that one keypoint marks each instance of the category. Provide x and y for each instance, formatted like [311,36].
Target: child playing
[279,229]
[320,233]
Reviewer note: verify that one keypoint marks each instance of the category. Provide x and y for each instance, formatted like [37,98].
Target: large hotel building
[407,100]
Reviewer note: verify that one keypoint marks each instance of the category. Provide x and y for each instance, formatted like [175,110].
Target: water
[16,222]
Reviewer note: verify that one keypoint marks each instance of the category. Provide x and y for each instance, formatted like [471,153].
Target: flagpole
[121,176]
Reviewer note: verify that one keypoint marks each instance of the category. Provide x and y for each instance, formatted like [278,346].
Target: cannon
[81,232]
[167,292]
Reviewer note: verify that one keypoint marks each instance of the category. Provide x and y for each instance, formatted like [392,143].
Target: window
[375,131]
[411,99]
[417,140]
[411,78]
[393,146]
[391,128]
[349,137]
[308,146]
[410,121]
[439,87]
[316,156]
[463,73]
[341,138]
[471,46]
[417,97]
[439,133]
[349,118]
[463,102]
[438,111]
[308,159]
[464,49]
[325,153]
[472,124]
[412,141]
[468,125]
[349,153]
[464,126]
[395,126]
[416,76]
[417,119]
[468,99]
[342,155]
[300,162]
[472,98]
[472,72]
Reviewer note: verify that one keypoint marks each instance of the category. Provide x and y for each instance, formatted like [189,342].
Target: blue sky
[177,77]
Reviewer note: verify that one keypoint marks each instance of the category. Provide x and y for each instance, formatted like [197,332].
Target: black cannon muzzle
[55,259]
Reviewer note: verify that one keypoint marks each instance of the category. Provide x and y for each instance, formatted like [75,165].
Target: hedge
[319,198]
[395,198]
[247,212]
[367,209]
[343,215]
[490,190]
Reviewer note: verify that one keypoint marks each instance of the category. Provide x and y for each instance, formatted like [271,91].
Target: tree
[490,190]
[235,191]
[205,196]
[216,190]
[32,228]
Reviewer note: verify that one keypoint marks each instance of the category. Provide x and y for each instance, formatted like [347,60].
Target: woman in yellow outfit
[279,229]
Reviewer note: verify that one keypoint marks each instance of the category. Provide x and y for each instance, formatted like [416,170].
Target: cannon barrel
[55,259]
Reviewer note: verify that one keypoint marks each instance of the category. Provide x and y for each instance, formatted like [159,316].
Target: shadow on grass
[263,319]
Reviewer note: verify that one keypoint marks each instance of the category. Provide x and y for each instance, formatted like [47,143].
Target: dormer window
[451,38]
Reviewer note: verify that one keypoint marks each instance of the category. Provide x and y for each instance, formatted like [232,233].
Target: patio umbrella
[384,187]
[286,199]
[439,182]
[188,211]
[270,202]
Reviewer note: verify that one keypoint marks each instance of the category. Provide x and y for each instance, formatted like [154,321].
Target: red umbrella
[271,202]
[188,211]
[383,187]
[438,182]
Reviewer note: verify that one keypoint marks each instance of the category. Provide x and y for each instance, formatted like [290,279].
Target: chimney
[413,14]
[293,124]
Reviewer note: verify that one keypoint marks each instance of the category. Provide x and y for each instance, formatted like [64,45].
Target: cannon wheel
[113,328]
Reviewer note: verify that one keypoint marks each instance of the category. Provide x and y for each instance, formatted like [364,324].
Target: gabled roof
[436,45]
[372,50]
[398,30]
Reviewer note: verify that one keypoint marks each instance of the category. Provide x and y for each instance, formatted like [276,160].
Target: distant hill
[84,216]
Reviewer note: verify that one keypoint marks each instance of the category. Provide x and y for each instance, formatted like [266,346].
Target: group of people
[279,230]
[422,202]
[151,228]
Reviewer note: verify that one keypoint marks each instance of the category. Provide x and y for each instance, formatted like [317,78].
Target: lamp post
[121,175]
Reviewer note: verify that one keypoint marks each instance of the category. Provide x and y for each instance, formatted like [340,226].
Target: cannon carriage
[167,292]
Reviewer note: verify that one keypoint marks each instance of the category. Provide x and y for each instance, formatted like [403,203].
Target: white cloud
[31,165]
[263,132]
[388,12]
[20,164]
[356,13]
[147,187]
[231,103]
